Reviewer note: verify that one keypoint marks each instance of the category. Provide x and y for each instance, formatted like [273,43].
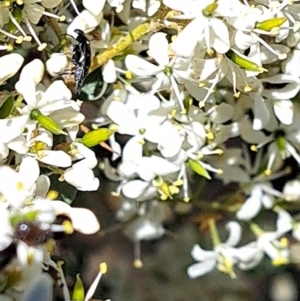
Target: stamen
[60,18]
[177,92]
[281,56]
[63,280]
[7,47]
[138,264]
[42,46]
[15,22]
[19,39]
[75,7]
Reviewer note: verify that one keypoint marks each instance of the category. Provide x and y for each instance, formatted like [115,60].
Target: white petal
[284,111]
[261,114]
[82,178]
[42,186]
[200,269]
[252,205]
[56,158]
[109,72]
[221,41]
[199,254]
[84,221]
[140,67]
[29,171]
[158,48]
[94,6]
[10,65]
[134,189]
[235,233]
[284,222]
[56,64]
[26,87]
[34,70]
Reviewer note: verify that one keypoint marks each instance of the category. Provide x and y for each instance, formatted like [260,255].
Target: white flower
[17,187]
[222,257]
[210,31]
[80,174]
[151,7]
[168,72]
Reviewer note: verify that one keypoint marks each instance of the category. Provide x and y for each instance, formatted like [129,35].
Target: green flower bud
[281,145]
[187,103]
[244,63]
[6,107]
[78,291]
[198,168]
[46,122]
[95,137]
[209,9]
[268,25]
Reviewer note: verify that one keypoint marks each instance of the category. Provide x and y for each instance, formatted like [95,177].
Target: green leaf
[93,86]
[67,192]
[197,167]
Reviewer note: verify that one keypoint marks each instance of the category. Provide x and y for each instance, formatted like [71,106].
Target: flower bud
[46,122]
[198,168]
[209,9]
[95,137]
[244,63]
[268,25]
[78,291]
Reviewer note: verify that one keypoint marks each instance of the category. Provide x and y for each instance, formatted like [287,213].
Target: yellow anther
[52,195]
[62,18]
[68,228]
[103,267]
[267,172]
[27,38]
[253,148]
[42,46]
[138,264]
[128,74]
[210,136]
[19,40]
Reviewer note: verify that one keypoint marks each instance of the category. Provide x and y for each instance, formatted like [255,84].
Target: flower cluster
[190,90]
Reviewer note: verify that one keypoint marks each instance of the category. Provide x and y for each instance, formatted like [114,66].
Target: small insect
[81,58]
[31,233]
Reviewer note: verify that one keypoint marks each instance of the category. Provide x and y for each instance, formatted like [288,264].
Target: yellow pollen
[50,245]
[52,195]
[237,95]
[141,141]
[174,189]
[187,199]
[10,47]
[284,242]
[19,40]
[210,136]
[183,112]
[247,89]
[20,2]
[201,104]
[62,18]
[68,228]
[267,172]
[128,74]
[20,186]
[103,267]
[280,261]
[27,39]
[138,264]
[163,197]
[173,113]
[178,182]
[253,148]
[7,3]
[220,172]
